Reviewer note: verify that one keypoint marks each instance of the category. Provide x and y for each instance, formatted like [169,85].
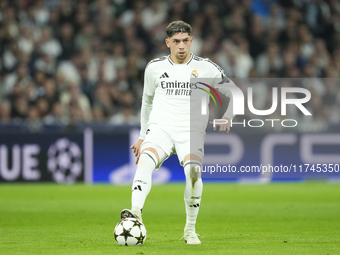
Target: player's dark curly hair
[177,27]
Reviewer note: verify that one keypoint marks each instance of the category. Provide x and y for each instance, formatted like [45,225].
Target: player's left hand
[224,127]
[136,149]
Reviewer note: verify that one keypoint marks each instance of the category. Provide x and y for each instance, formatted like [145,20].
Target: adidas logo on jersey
[164,75]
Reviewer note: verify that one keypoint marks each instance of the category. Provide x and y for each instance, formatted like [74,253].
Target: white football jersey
[169,85]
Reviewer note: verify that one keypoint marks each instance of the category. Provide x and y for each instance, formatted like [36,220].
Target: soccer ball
[130,232]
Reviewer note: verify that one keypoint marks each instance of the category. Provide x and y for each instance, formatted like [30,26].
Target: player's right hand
[136,149]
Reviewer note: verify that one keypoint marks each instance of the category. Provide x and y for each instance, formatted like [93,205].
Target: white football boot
[126,213]
[190,237]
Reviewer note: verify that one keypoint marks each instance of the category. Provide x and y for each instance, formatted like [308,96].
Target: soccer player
[165,122]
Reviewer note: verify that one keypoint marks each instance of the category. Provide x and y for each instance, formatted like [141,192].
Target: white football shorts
[173,140]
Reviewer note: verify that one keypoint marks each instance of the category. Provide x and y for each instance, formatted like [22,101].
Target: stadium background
[72,77]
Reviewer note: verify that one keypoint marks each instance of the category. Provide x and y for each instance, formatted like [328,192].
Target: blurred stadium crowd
[73,61]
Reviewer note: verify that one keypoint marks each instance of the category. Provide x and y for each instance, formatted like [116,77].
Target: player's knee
[153,152]
[192,157]
[146,158]
[192,170]
[143,160]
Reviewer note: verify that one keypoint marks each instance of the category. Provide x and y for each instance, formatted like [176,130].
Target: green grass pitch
[277,218]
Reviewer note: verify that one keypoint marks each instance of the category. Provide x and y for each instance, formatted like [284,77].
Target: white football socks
[192,193]
[142,182]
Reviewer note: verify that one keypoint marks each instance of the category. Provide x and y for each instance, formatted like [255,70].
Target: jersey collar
[187,63]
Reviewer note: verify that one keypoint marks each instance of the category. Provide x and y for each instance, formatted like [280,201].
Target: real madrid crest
[194,74]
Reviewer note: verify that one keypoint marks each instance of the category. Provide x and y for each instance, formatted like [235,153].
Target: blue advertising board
[106,157]
[249,157]
[43,157]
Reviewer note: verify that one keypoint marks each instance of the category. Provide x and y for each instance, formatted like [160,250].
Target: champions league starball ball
[130,232]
